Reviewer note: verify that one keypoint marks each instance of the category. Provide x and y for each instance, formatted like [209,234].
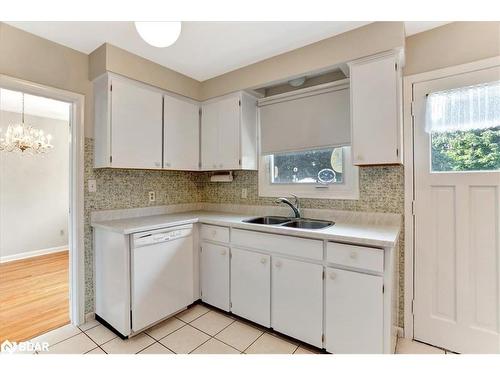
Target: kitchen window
[305,139]
[464,128]
[318,173]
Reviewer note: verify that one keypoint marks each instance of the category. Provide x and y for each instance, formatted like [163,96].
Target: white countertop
[362,234]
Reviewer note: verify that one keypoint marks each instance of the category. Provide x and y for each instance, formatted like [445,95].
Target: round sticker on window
[326,175]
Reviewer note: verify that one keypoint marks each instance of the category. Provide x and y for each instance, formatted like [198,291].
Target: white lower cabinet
[214,268]
[251,286]
[353,312]
[297,299]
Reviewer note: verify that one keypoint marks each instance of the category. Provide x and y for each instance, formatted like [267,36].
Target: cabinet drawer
[367,258]
[295,246]
[214,233]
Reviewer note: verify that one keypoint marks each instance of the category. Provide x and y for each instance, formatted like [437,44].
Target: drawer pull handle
[278,265]
[223,252]
[333,275]
[263,260]
[353,255]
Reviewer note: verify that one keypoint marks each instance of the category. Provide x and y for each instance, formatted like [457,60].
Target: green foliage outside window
[472,150]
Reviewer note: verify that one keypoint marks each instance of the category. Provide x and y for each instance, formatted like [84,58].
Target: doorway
[41,210]
[456,177]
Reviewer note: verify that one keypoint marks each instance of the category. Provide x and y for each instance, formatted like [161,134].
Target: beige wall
[364,41]
[31,58]
[114,59]
[452,44]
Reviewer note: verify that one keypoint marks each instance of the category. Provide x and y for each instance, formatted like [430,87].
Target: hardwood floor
[34,296]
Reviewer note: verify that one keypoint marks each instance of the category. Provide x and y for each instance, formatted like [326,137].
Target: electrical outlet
[152,196]
[244,193]
[92,186]
[61,232]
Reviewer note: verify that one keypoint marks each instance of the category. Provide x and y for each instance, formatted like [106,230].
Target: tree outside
[472,150]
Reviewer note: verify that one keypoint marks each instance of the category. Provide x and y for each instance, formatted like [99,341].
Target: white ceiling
[204,49]
[11,101]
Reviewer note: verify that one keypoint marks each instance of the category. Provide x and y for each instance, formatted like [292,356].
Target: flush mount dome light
[297,82]
[159,34]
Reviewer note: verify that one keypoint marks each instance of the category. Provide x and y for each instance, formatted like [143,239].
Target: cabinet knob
[333,275]
[278,264]
[353,255]
[223,252]
[263,260]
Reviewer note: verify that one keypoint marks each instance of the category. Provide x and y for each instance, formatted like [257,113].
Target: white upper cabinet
[128,124]
[376,109]
[229,133]
[181,133]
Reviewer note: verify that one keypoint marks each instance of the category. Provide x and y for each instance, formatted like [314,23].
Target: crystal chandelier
[25,139]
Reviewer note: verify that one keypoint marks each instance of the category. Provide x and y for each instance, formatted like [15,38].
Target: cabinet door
[214,268]
[376,111]
[297,299]
[181,134]
[354,312]
[229,133]
[136,126]
[210,136]
[251,286]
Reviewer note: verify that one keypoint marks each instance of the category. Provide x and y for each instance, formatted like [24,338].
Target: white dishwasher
[161,274]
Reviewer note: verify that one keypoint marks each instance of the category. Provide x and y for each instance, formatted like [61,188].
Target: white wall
[34,191]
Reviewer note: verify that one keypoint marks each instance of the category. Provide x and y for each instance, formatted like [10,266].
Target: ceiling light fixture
[159,34]
[297,82]
[25,139]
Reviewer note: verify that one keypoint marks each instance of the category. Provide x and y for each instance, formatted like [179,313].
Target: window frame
[349,189]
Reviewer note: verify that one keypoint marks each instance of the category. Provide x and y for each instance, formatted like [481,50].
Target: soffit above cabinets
[204,49]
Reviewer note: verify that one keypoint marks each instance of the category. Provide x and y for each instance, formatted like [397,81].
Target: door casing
[76,186]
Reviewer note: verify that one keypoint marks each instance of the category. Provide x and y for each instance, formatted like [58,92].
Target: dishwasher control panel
[150,238]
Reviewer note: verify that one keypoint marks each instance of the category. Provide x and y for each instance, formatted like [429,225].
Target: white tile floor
[198,330]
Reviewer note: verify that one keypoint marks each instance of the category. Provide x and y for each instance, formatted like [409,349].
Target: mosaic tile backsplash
[381,190]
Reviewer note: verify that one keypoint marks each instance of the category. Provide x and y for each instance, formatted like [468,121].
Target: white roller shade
[314,119]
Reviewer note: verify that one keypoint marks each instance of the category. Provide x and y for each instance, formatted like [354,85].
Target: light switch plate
[92,186]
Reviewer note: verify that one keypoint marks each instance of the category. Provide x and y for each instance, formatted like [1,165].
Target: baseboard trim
[29,254]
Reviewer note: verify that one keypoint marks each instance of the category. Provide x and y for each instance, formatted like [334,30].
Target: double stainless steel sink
[290,222]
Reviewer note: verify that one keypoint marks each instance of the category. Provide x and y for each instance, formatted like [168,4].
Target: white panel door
[297,299]
[251,286]
[181,121]
[210,136]
[214,268]
[136,126]
[456,240]
[229,133]
[353,312]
